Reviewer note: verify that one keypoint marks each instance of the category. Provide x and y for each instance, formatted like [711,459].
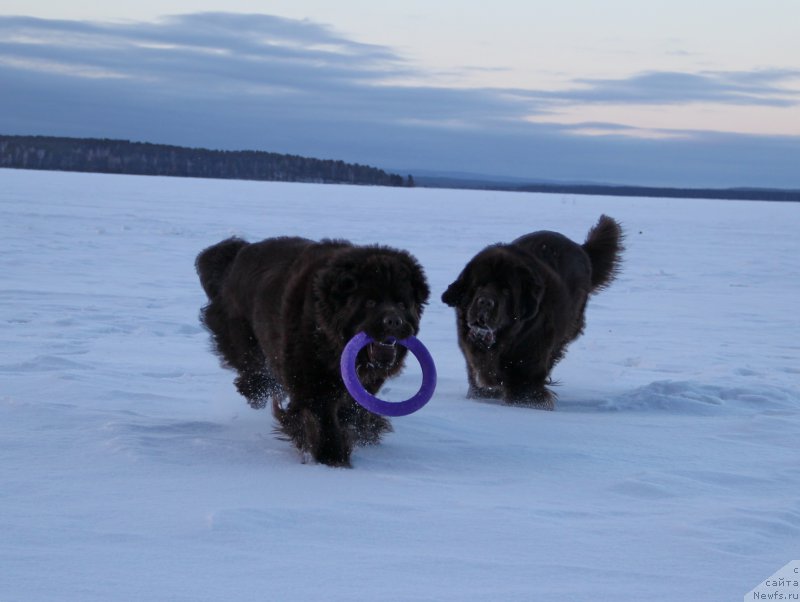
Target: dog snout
[483,309]
[485,303]
[393,323]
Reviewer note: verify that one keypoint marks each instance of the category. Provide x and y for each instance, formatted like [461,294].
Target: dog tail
[604,247]
[213,263]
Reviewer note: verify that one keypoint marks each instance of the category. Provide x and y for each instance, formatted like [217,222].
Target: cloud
[236,81]
[238,58]
[234,49]
[755,88]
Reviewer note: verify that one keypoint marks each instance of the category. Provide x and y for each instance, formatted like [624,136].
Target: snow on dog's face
[377,290]
[488,311]
[495,290]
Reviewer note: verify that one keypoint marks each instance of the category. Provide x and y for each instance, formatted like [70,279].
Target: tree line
[735,194]
[142,158]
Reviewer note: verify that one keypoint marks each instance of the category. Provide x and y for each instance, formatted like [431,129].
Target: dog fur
[519,305]
[280,312]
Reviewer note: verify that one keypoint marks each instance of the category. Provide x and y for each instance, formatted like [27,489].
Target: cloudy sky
[673,92]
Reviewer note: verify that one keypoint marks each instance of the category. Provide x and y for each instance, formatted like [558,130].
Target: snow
[130,469]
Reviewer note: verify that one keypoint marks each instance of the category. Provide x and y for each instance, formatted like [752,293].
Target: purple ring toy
[368,401]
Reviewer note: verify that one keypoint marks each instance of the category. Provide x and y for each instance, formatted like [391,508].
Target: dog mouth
[482,335]
[382,354]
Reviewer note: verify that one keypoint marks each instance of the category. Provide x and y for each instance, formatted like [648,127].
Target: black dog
[281,311]
[519,305]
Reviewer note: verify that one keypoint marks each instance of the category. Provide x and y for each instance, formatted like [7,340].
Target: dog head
[377,290]
[497,290]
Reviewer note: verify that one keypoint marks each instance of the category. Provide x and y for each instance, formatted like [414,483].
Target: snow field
[130,468]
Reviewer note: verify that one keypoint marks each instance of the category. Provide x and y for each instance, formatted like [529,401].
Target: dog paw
[256,388]
[540,399]
[335,454]
[328,441]
[364,427]
[369,430]
[484,393]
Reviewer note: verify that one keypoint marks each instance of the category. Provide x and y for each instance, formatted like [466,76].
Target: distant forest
[734,194]
[141,158]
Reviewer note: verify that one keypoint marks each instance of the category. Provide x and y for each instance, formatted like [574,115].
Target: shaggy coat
[281,311]
[519,305]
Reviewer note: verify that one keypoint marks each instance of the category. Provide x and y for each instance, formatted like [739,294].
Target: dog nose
[392,322]
[485,303]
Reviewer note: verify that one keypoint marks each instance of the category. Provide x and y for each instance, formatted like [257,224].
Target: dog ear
[421,289]
[528,290]
[334,284]
[455,292]
[416,278]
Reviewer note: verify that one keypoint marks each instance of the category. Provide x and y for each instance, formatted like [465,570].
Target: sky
[672,93]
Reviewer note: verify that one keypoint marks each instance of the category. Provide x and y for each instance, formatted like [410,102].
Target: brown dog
[281,311]
[519,305]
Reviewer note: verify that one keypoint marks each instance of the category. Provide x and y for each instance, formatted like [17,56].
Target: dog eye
[370,303]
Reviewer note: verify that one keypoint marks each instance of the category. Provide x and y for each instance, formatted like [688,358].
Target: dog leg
[477,390]
[238,348]
[365,427]
[317,433]
[300,427]
[332,445]
[528,389]
[255,381]
[257,386]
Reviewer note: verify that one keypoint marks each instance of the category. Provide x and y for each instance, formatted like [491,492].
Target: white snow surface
[131,470]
